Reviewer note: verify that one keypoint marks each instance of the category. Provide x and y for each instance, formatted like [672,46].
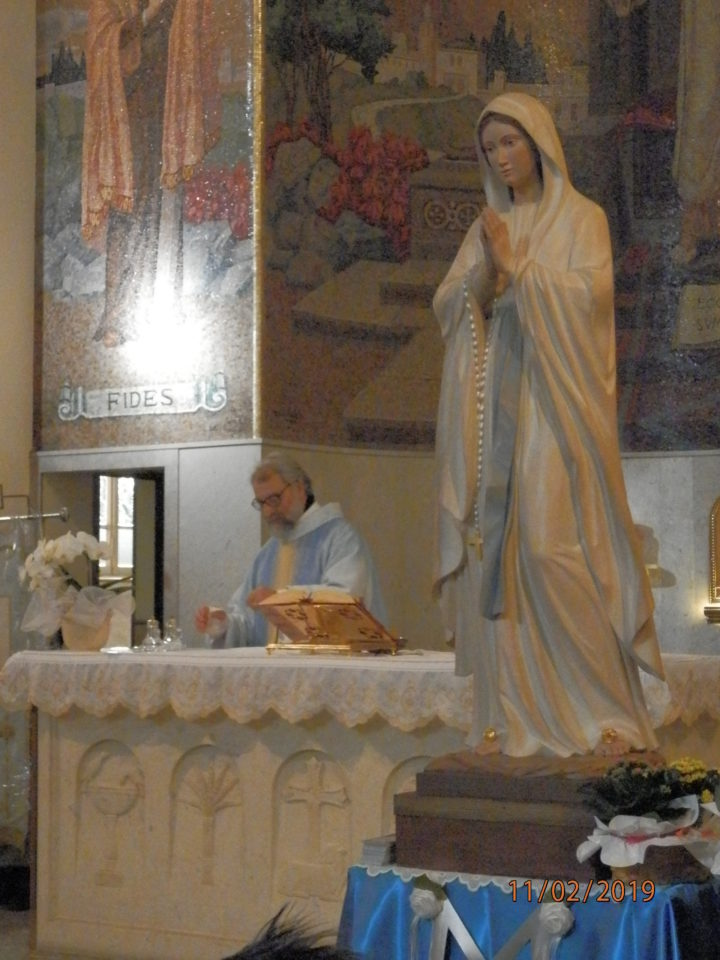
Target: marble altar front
[183,797]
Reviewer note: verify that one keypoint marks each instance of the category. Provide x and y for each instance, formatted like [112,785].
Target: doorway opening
[128,509]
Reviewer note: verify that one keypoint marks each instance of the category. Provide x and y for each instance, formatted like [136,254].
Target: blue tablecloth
[677,922]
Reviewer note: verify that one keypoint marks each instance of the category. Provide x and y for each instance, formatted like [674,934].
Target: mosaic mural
[371,183]
[147,316]
[145,256]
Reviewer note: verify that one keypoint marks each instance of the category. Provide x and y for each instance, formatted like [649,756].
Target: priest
[312,546]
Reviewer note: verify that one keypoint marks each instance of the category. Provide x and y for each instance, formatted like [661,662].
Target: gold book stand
[324,621]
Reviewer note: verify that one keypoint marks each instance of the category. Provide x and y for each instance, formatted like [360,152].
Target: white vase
[81,637]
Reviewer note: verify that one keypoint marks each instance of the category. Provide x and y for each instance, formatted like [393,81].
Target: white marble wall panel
[670,498]
[212,533]
[220,533]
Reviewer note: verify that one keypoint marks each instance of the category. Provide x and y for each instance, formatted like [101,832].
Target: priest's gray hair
[282,465]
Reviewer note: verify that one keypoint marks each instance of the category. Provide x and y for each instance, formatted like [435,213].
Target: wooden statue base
[502,816]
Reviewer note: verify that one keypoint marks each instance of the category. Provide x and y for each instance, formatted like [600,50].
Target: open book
[324,620]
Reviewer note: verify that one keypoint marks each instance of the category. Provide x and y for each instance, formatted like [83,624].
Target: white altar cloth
[408,691]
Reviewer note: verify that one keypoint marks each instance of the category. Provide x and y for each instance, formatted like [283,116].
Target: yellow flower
[689,765]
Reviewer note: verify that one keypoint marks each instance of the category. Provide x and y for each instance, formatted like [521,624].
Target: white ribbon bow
[544,928]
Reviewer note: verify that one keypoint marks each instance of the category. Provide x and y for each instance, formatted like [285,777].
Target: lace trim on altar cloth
[408,691]
[692,690]
[473,881]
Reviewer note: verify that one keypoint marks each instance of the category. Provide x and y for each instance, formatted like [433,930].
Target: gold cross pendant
[475,540]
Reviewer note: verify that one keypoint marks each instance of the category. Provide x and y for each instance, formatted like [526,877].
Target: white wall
[388,496]
[212,532]
[672,495]
[219,532]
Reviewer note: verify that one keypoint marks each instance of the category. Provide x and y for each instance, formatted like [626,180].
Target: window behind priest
[312,545]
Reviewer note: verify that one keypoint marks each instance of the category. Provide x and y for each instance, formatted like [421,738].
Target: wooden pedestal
[500,816]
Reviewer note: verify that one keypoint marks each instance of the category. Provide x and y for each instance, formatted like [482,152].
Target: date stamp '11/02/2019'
[575,891]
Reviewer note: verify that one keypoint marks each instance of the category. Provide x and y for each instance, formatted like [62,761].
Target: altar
[183,797]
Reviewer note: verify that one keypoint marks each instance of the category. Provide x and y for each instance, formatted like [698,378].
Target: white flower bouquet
[58,600]
[645,807]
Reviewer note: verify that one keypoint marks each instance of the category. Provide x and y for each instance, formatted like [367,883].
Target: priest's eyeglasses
[272,501]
